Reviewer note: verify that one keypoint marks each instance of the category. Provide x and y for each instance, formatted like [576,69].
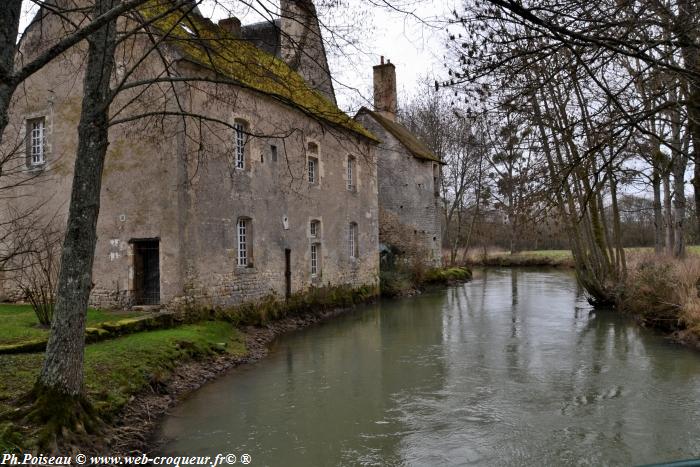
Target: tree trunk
[62,372]
[679,212]
[9,26]
[668,213]
[658,214]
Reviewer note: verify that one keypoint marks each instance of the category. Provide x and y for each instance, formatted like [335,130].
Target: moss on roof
[405,137]
[208,45]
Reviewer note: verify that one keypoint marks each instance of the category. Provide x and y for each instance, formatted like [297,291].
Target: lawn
[119,368]
[19,323]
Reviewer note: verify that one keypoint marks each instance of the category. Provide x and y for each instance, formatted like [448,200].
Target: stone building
[408,173]
[279,197]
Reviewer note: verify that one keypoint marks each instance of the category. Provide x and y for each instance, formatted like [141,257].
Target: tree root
[56,420]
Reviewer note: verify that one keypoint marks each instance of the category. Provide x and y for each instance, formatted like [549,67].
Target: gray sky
[412,38]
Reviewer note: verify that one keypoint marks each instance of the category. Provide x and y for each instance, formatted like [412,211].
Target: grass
[19,323]
[118,369]
[556,258]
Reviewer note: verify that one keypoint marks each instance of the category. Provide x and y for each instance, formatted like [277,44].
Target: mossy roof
[405,137]
[202,42]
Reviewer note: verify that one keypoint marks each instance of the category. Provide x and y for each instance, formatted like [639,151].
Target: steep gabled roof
[405,137]
[210,46]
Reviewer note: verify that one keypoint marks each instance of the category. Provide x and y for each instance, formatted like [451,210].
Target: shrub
[37,273]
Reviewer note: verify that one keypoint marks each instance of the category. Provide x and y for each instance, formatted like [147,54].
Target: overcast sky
[410,33]
[411,36]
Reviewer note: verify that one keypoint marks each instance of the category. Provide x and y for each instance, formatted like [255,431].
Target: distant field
[560,258]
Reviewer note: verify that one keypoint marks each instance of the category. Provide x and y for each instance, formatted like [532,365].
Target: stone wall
[160,185]
[410,212]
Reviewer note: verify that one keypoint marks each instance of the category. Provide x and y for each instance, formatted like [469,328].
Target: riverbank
[663,293]
[540,258]
[131,381]
[407,281]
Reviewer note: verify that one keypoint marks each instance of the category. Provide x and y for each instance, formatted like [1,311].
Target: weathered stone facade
[410,218]
[173,206]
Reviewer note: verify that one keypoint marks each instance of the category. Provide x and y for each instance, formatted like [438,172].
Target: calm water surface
[514,368]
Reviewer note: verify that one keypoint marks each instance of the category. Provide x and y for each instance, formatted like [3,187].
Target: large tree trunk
[668,213]
[9,26]
[658,214]
[61,377]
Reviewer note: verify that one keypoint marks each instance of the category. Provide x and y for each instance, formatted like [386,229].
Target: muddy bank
[134,430]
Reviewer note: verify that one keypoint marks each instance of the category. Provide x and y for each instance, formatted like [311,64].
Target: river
[513,368]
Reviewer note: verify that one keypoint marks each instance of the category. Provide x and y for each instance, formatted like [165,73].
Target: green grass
[19,323]
[117,369]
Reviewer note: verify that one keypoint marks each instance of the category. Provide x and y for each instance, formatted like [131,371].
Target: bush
[393,283]
[38,271]
[651,293]
[314,300]
[447,275]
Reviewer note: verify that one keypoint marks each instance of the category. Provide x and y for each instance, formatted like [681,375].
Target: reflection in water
[513,368]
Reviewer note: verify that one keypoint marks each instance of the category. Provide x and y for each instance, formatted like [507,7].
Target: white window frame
[351,173]
[315,256]
[314,228]
[37,141]
[243,240]
[312,172]
[240,142]
[353,249]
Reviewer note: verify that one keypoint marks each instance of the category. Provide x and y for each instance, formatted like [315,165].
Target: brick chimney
[385,89]
[232,25]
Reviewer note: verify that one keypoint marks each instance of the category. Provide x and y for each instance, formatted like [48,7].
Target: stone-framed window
[36,142]
[315,228]
[273,153]
[313,170]
[351,174]
[315,259]
[353,247]
[312,164]
[240,140]
[244,241]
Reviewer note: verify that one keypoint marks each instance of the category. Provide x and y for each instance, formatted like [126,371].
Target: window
[313,163]
[352,241]
[315,259]
[436,179]
[239,127]
[351,173]
[315,229]
[244,231]
[313,170]
[273,152]
[36,130]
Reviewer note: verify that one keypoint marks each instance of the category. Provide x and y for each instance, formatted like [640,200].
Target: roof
[208,45]
[405,137]
[264,35]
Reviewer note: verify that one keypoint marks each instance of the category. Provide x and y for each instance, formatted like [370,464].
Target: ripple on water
[510,369]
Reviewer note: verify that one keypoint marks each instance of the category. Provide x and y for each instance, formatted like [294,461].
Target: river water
[513,368]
